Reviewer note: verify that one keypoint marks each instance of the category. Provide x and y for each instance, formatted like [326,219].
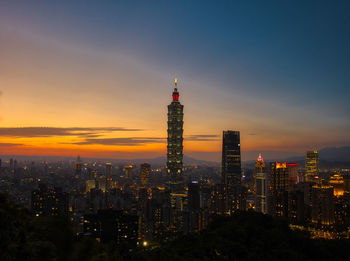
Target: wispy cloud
[204,137]
[56,131]
[137,141]
[10,144]
[132,141]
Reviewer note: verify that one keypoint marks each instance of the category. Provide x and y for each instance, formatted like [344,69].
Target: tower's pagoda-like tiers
[175,143]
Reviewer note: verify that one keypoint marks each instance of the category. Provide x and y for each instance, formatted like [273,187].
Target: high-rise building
[175,143]
[337,182]
[260,185]
[296,206]
[92,226]
[322,205]
[49,202]
[109,170]
[145,173]
[231,158]
[293,174]
[78,168]
[128,171]
[311,165]
[346,179]
[193,196]
[112,226]
[231,169]
[218,200]
[90,184]
[108,176]
[278,183]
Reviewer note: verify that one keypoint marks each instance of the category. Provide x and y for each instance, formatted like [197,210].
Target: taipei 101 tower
[175,143]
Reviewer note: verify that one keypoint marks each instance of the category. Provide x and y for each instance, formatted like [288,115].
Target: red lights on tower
[175,96]
[175,92]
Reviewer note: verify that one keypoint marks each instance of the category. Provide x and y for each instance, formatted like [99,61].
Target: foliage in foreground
[243,236]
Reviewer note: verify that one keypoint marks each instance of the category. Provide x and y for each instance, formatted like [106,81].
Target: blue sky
[279,68]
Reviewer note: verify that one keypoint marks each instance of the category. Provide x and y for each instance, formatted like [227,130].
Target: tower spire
[175,92]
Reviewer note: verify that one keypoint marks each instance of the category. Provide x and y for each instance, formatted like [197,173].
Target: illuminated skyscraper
[231,169]
[293,175]
[175,143]
[311,165]
[90,184]
[108,170]
[128,171]
[337,182]
[145,173]
[78,168]
[278,184]
[108,176]
[260,185]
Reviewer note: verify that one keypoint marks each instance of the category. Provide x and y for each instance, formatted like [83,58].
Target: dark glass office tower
[231,171]
[194,196]
[231,158]
[175,143]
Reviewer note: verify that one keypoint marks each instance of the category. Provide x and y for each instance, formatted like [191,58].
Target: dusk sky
[94,78]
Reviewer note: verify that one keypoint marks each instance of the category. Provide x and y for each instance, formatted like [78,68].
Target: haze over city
[81,78]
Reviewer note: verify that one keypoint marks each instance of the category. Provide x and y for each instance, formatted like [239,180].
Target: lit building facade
[128,171]
[260,185]
[218,200]
[108,176]
[311,166]
[337,182]
[78,168]
[145,173]
[90,184]
[109,170]
[49,202]
[296,208]
[175,144]
[293,174]
[322,205]
[110,225]
[278,184]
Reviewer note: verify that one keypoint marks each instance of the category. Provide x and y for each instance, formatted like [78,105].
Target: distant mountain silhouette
[335,154]
[155,162]
[329,157]
[161,161]
[330,154]
[340,154]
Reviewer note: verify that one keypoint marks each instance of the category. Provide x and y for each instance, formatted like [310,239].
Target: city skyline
[100,89]
[187,130]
